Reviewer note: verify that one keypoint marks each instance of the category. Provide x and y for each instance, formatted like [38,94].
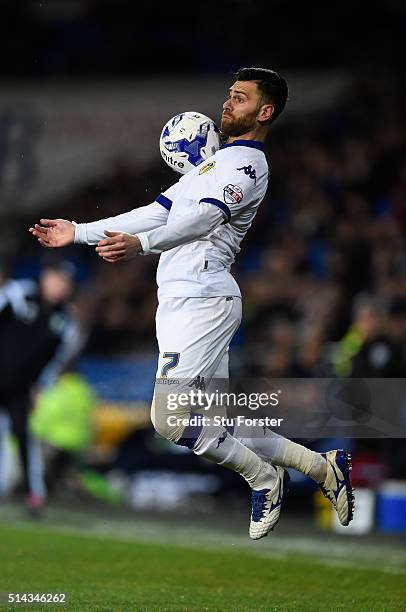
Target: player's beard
[240,126]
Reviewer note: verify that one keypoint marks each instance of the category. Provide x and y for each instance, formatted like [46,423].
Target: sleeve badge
[232,194]
[207,167]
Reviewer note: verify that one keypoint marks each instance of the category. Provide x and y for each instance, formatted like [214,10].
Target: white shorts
[193,337]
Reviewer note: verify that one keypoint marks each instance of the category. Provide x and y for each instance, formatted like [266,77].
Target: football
[187,140]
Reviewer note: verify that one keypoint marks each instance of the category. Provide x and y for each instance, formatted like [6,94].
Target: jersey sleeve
[71,341]
[137,220]
[16,294]
[166,198]
[188,228]
[229,186]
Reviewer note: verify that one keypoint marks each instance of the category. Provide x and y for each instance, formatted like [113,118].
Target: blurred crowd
[322,271]
[331,238]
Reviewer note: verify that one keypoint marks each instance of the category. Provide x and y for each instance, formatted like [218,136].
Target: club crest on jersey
[232,194]
[207,167]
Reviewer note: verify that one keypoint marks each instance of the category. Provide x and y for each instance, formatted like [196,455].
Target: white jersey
[202,220]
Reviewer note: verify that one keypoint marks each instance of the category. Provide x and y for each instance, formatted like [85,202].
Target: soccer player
[197,226]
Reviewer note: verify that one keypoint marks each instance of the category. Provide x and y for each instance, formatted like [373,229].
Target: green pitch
[104,573]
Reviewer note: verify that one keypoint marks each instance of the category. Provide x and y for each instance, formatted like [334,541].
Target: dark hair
[62,266]
[272,86]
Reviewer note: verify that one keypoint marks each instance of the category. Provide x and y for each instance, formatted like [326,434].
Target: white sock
[222,448]
[282,452]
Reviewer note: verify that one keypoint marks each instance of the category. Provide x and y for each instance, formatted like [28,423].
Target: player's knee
[166,423]
[167,427]
[177,428]
[173,421]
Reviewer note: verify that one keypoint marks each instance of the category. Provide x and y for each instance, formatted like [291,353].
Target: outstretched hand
[54,232]
[118,246]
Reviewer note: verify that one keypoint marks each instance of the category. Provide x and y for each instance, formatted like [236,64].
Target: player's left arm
[182,231]
[217,199]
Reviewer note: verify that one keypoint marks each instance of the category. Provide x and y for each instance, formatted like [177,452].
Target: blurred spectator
[39,336]
[63,419]
[367,350]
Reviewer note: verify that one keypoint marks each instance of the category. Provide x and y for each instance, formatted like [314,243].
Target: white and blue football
[187,140]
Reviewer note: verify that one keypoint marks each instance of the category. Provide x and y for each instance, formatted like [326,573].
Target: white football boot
[266,506]
[337,486]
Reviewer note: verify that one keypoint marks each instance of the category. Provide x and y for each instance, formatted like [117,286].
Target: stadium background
[86,88]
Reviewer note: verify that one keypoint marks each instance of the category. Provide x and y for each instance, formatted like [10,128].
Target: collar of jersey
[253,144]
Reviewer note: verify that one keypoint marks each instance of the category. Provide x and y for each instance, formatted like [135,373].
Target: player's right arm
[60,232]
